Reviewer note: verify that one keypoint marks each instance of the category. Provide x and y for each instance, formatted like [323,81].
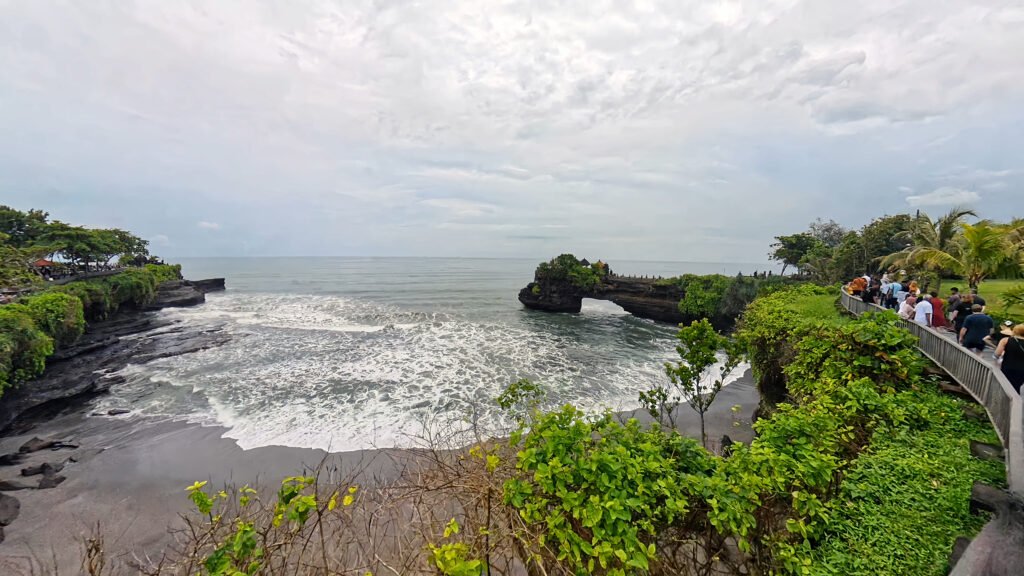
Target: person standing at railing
[923,312]
[907,308]
[892,302]
[976,328]
[938,313]
[1011,352]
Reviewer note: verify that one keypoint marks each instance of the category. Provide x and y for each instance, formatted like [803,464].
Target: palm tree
[927,239]
[1013,267]
[976,253]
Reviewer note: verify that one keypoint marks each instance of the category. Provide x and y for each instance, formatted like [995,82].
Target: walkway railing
[985,382]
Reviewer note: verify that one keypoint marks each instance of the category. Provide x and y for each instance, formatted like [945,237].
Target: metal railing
[984,381]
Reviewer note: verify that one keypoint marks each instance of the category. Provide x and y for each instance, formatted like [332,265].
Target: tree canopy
[26,237]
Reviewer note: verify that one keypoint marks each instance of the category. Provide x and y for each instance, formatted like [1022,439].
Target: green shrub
[23,346]
[905,499]
[95,298]
[133,287]
[600,492]
[567,268]
[164,272]
[59,315]
[702,295]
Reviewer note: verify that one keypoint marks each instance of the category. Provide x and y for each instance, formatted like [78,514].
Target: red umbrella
[42,263]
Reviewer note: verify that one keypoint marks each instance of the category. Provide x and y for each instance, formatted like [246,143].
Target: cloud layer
[658,130]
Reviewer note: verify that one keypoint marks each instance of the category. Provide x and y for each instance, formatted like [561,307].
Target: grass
[819,307]
[992,290]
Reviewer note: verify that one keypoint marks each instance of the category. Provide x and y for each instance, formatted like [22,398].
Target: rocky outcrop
[641,297]
[90,366]
[176,294]
[208,285]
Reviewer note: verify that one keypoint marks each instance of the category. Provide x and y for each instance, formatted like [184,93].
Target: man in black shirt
[978,299]
[976,328]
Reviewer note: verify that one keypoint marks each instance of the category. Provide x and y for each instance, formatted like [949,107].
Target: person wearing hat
[976,328]
[1005,329]
[1011,352]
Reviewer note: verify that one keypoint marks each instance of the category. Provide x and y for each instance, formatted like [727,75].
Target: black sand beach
[128,475]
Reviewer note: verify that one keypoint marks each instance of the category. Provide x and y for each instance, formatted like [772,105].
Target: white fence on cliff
[984,381]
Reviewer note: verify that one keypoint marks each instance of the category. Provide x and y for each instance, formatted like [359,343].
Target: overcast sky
[678,130]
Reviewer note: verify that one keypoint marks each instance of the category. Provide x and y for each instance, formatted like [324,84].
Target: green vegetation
[59,315]
[774,323]
[26,237]
[567,268]
[719,296]
[913,483]
[863,469]
[164,272]
[926,249]
[34,325]
[619,497]
[54,316]
[691,378]
[23,347]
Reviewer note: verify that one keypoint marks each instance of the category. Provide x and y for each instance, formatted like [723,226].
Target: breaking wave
[341,373]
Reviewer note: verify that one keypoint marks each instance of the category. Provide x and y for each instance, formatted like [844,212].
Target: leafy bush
[772,325]
[567,268]
[600,492]
[23,346]
[133,287]
[702,295]
[59,315]
[164,272]
[95,298]
[905,499]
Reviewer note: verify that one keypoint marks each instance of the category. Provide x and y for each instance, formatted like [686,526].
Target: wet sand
[130,474]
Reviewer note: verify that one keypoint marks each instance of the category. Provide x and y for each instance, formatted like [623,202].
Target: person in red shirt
[938,314]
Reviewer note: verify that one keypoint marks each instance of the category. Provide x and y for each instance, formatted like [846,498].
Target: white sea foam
[343,374]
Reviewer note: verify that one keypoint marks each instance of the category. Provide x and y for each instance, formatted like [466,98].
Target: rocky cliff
[641,297]
[89,366]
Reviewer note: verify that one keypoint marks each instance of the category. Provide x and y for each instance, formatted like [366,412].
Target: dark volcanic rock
[13,485]
[10,507]
[46,469]
[35,445]
[989,499]
[118,411]
[51,482]
[983,451]
[641,297]
[208,285]
[177,293]
[552,298]
[959,547]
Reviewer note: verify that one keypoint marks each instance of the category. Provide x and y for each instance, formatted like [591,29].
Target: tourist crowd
[963,315]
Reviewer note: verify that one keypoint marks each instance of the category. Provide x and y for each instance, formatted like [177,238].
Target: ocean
[356,353]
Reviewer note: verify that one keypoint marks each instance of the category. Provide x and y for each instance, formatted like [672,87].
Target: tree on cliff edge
[692,378]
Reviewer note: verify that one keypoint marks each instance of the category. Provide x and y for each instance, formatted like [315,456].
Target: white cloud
[906,189]
[360,127]
[208,225]
[160,240]
[944,196]
[459,208]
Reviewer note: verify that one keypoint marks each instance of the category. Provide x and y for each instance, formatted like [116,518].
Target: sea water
[355,353]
